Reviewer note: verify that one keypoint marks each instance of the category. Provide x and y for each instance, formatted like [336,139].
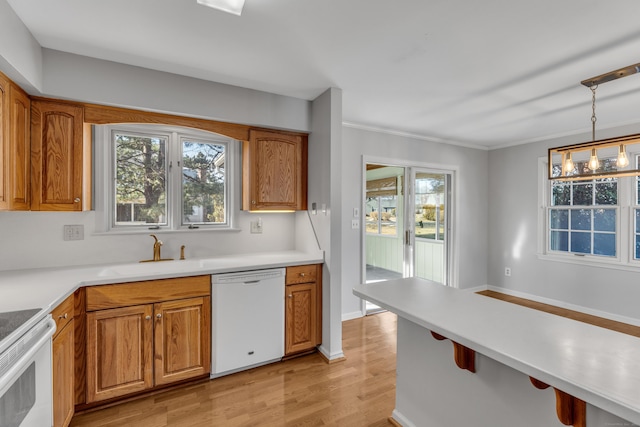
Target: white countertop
[594,364]
[46,288]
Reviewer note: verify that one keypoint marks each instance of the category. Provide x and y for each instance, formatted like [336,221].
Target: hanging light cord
[593,109]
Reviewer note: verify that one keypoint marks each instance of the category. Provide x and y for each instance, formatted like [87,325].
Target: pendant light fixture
[594,164]
[581,161]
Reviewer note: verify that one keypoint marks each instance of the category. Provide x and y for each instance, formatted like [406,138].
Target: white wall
[470,201]
[513,210]
[324,184]
[20,53]
[93,80]
[35,240]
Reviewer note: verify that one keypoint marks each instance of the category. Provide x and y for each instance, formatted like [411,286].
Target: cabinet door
[15,151]
[274,171]
[300,318]
[63,374]
[60,172]
[4,138]
[182,339]
[119,351]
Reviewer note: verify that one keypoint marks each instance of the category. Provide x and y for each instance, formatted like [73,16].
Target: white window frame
[379,232]
[625,231]
[104,164]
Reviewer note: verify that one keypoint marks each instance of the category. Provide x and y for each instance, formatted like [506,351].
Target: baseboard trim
[352,315]
[400,420]
[337,357]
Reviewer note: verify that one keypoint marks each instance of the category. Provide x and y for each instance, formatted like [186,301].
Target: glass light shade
[229,6]
[568,164]
[594,164]
[623,160]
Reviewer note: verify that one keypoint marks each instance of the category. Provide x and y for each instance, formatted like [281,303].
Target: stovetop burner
[10,321]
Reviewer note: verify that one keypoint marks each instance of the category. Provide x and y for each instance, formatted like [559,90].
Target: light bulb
[623,161]
[568,164]
[594,164]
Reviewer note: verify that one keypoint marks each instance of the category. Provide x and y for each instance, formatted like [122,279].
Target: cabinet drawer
[301,274]
[63,313]
[146,292]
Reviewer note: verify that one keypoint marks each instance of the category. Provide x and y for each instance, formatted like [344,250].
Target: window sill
[164,231]
[591,261]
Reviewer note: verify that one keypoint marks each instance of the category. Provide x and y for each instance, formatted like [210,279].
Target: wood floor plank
[306,391]
[613,325]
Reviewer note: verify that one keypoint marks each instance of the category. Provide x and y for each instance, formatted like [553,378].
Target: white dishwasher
[247,320]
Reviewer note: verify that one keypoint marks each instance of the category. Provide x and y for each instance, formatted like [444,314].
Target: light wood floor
[305,391]
[624,328]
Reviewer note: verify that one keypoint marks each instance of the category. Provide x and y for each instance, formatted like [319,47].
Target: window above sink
[154,177]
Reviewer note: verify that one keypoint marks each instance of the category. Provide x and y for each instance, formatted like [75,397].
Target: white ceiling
[485,73]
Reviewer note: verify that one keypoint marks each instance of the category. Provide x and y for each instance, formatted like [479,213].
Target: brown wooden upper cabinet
[60,156]
[15,156]
[274,171]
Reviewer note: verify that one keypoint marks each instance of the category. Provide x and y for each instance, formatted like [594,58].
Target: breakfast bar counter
[502,356]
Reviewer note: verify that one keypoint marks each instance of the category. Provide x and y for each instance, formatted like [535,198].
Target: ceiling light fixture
[229,6]
[580,161]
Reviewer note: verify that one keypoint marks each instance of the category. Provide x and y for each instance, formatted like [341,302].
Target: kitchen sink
[147,268]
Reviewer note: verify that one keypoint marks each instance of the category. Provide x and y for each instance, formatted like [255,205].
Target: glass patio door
[431,224]
[406,212]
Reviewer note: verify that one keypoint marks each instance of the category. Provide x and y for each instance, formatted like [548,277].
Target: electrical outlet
[507,271]
[73,232]
[355,224]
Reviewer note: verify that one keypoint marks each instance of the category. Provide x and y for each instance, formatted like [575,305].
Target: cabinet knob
[159,315]
[148,318]
[289,296]
[301,274]
[253,202]
[77,200]
[63,316]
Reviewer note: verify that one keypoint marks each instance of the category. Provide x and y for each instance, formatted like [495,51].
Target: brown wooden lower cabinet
[303,309]
[138,347]
[119,351]
[182,340]
[62,356]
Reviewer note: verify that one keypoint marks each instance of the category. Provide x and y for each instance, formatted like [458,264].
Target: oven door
[26,385]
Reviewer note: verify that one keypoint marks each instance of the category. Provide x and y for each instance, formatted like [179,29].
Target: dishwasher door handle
[251,282]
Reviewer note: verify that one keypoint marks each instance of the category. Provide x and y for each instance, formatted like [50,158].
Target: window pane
[203,183]
[637,255]
[604,244]
[581,242]
[140,183]
[559,219]
[604,220]
[559,241]
[581,219]
[561,195]
[607,193]
[583,194]
[372,214]
[388,215]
